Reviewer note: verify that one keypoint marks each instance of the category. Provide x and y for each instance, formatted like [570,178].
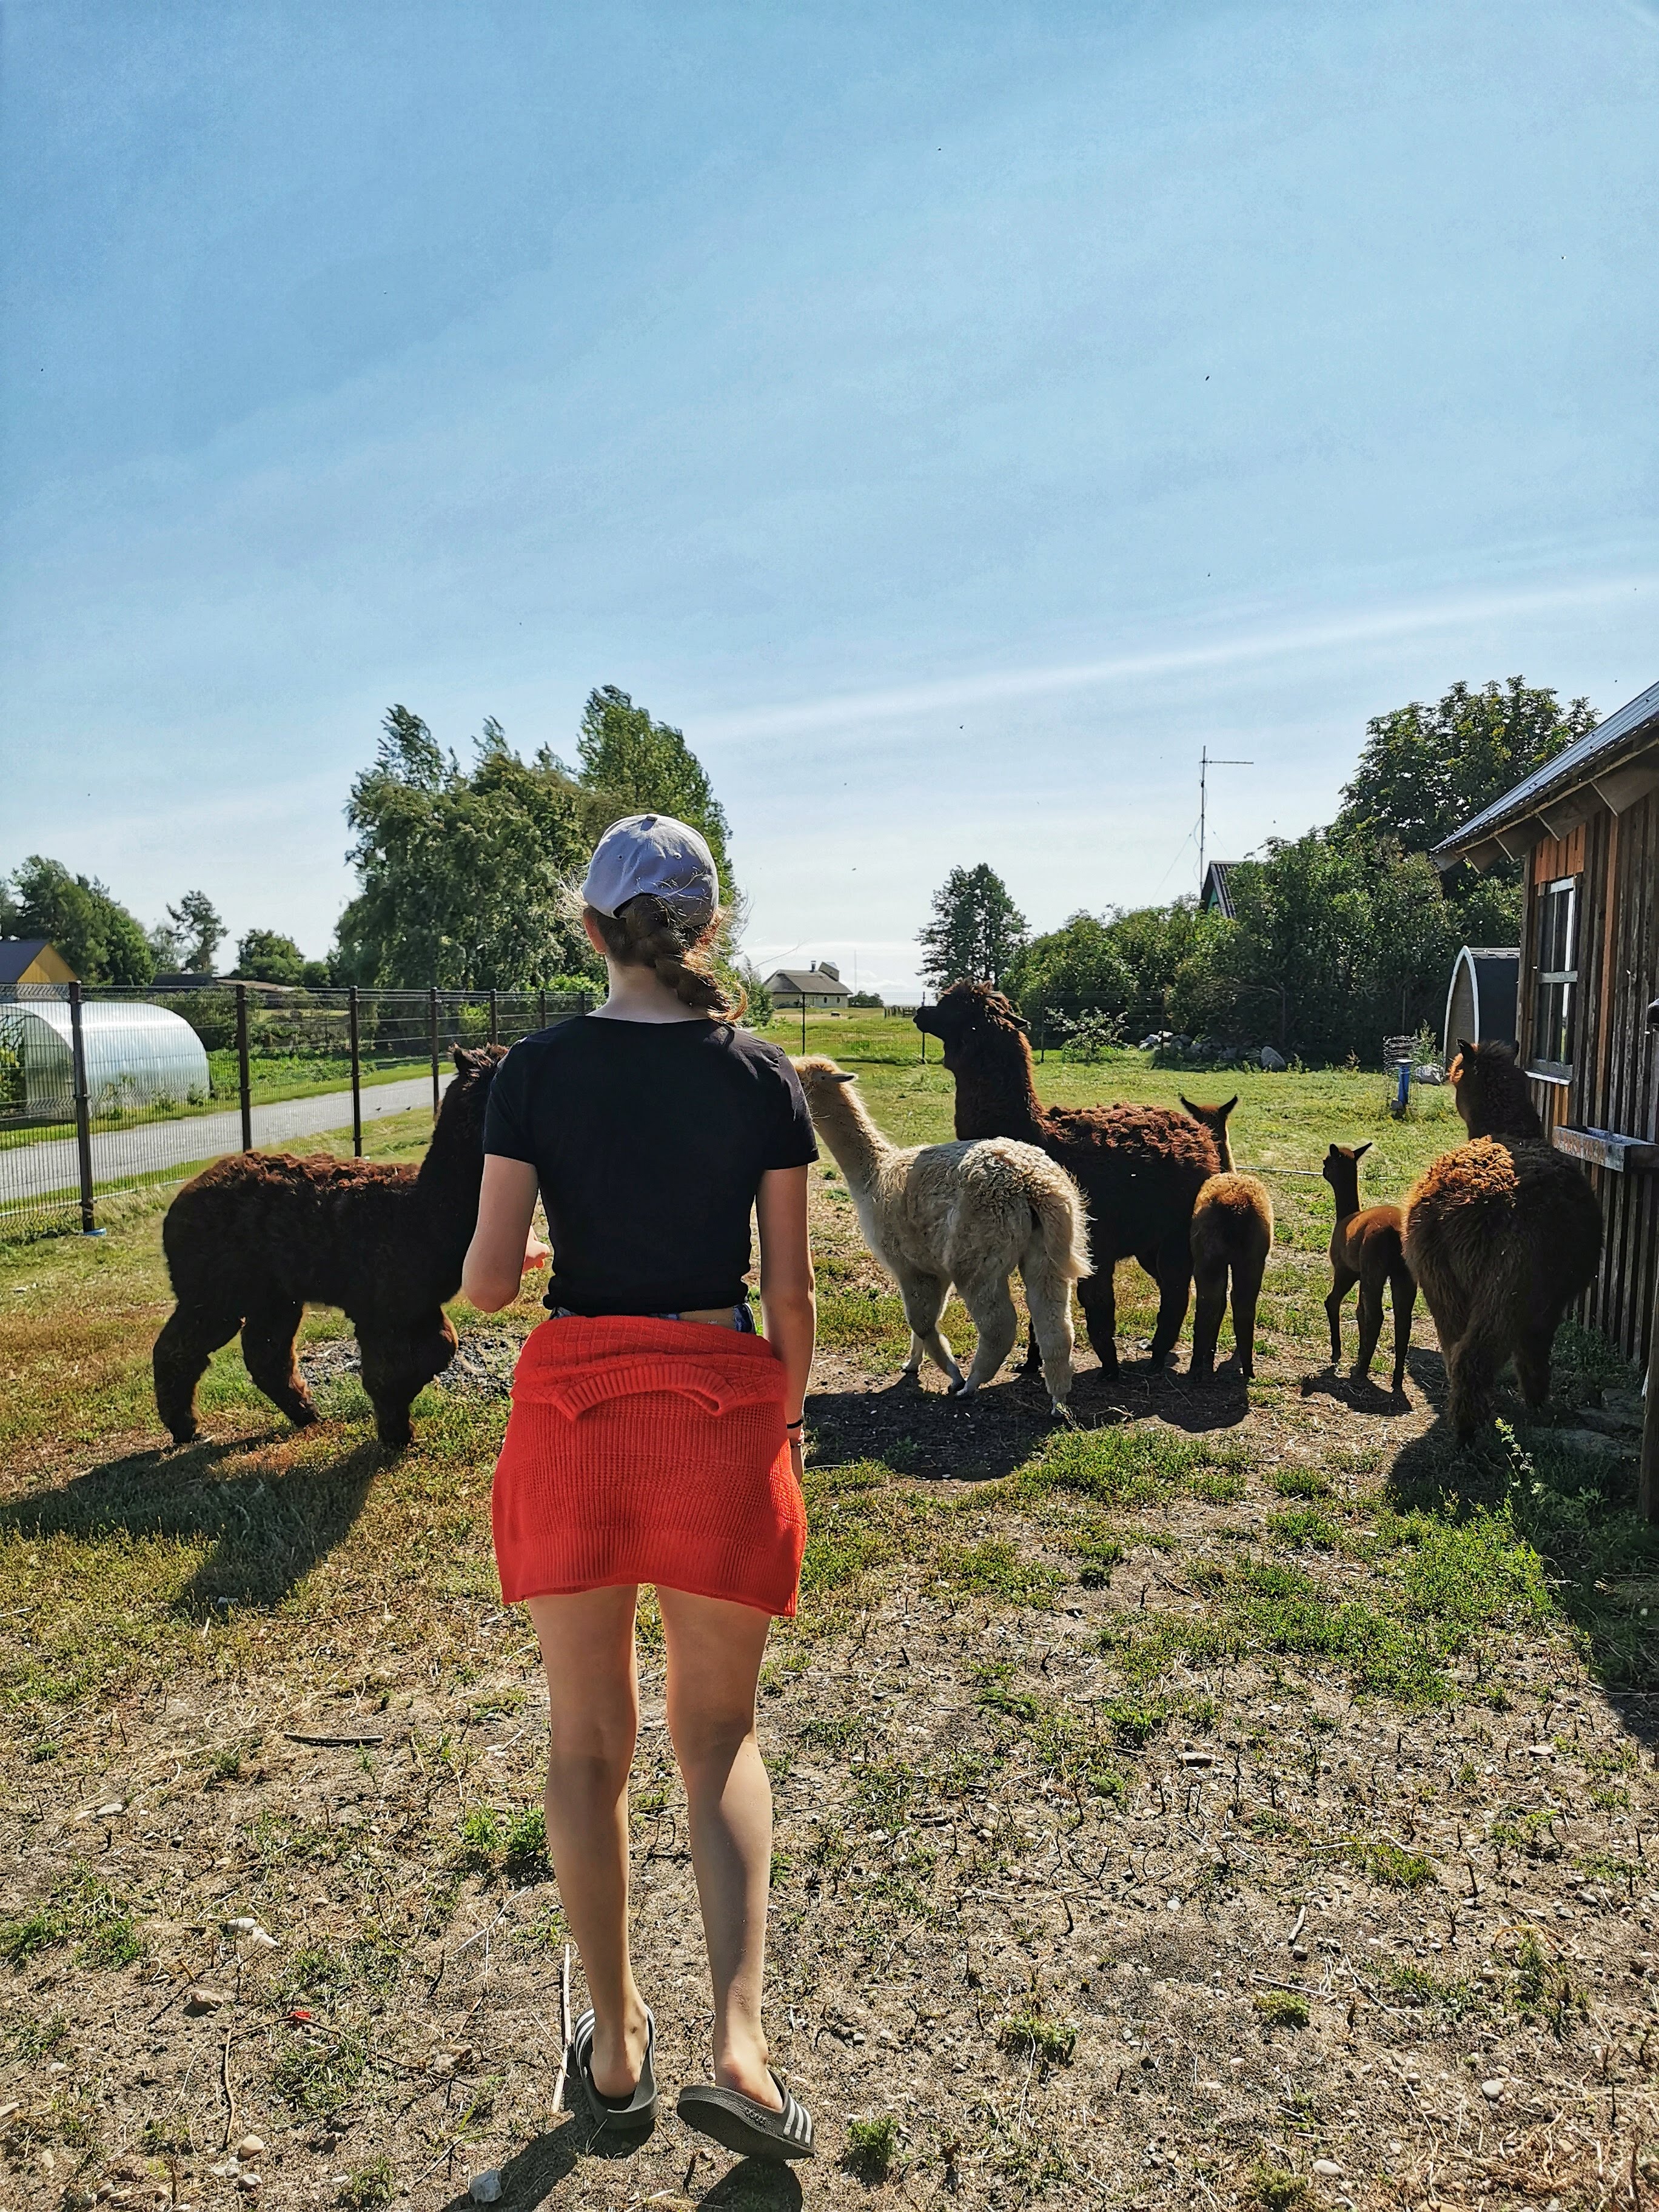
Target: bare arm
[787,1297]
[502,1250]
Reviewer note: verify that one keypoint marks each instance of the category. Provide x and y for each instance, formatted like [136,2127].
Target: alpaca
[1140,1168]
[1231,1235]
[1502,1235]
[258,1235]
[1367,1248]
[962,1214]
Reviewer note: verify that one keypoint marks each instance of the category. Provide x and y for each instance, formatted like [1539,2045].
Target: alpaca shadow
[1425,1383]
[266,1531]
[1169,1395]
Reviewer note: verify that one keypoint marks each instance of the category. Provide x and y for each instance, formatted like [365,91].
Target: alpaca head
[1491,1092]
[1214,1119]
[974,1014]
[459,1131]
[1342,1171]
[822,1081]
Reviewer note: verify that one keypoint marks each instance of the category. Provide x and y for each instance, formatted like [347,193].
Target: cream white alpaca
[964,1213]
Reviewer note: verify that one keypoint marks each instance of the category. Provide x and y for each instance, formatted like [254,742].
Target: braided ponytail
[646,933]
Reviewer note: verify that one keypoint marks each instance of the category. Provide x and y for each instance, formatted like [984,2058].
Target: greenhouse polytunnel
[136,1056]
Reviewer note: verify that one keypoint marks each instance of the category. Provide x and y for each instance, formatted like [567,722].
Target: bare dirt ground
[1241,1800]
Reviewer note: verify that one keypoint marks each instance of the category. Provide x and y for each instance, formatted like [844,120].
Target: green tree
[195,924]
[1423,770]
[976,932]
[100,940]
[265,956]
[462,871]
[646,767]
[1077,961]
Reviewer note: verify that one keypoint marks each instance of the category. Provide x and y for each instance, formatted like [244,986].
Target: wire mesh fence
[104,1090]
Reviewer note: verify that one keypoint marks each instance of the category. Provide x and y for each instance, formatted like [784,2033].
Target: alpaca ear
[1464,1049]
[1360,1151]
[843,1075]
[1224,1111]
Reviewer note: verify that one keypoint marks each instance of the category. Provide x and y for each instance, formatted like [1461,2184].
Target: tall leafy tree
[976,932]
[1425,769]
[265,956]
[100,940]
[646,767]
[195,925]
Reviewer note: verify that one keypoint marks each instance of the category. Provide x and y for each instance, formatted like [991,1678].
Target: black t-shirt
[649,1140]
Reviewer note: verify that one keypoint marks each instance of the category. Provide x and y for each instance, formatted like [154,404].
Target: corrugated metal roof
[1594,751]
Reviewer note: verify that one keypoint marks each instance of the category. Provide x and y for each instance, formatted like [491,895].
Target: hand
[797,1463]
[536,1254]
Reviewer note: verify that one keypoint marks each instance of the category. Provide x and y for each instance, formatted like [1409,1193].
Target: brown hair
[646,933]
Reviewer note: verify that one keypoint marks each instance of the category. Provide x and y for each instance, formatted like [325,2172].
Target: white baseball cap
[653,852]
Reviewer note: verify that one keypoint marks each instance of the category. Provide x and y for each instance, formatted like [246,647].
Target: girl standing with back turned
[655,1438]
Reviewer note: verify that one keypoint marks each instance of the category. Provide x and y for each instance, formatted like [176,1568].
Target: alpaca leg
[397,1364]
[1342,1281]
[189,1339]
[1246,1290]
[992,1309]
[1532,1360]
[1370,1325]
[1210,1274]
[268,1335]
[1049,1299]
[1472,1369]
[1097,1296]
[1175,1282]
[924,1298]
[1404,1284]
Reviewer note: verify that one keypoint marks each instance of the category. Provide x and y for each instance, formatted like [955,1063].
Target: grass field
[1240,1799]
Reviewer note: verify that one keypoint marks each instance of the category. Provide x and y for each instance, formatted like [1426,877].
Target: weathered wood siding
[1615,1077]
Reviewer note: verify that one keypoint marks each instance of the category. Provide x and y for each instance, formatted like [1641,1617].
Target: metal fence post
[356,1078]
[495,1024]
[541,1022]
[433,1015]
[82,1112]
[244,1090]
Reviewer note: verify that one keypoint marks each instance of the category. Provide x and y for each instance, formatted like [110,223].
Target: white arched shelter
[1480,1003]
[137,1056]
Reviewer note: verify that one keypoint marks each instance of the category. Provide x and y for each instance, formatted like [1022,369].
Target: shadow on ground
[531,2177]
[266,1530]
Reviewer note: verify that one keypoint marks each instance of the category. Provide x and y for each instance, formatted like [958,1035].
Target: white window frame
[1558,1071]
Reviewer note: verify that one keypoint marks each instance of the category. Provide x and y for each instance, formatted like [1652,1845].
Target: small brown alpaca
[1367,1248]
[257,1236]
[1232,1234]
[1502,1235]
[1140,1168]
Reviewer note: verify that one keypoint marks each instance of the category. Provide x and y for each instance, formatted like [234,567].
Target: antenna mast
[1205,763]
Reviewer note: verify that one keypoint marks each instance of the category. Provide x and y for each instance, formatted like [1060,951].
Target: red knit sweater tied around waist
[648,1451]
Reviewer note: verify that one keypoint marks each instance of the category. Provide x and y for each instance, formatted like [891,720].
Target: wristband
[794,1425]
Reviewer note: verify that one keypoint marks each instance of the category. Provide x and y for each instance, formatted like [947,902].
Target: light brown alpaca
[1502,1235]
[1367,1248]
[964,1213]
[1232,1234]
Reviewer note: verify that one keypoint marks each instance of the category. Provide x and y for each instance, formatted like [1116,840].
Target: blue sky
[952,416]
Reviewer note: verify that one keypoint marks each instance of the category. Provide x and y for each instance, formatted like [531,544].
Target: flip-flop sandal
[744,2125]
[638,2108]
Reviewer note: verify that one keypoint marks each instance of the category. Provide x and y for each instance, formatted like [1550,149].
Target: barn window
[1555,974]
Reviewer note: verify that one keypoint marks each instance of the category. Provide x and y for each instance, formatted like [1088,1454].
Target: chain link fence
[104,1090]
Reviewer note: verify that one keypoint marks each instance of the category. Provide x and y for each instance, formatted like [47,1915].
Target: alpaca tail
[1062,1221]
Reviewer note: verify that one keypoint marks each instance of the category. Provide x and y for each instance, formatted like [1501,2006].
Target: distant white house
[820,985]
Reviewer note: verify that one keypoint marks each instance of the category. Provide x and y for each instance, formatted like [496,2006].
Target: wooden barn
[1586,828]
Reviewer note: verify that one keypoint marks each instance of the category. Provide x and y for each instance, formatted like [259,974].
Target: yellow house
[32,960]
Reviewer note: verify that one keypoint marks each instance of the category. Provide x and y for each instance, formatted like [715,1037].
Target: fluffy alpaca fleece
[1140,1168]
[258,1235]
[1231,1235]
[1502,1235]
[964,1213]
[1367,1248]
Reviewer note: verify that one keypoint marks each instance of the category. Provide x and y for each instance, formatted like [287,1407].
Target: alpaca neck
[1346,1194]
[856,1145]
[1510,1115]
[450,1176]
[995,1094]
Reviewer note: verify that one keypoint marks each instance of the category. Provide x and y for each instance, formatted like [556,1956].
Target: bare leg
[592,1687]
[714,1651]
[268,1335]
[189,1339]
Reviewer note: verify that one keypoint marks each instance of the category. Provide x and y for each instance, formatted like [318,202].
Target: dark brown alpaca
[1140,1168]
[1502,1235]
[259,1235]
[1231,1235]
[1367,1248]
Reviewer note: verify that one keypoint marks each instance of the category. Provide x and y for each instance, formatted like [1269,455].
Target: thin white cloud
[898,701]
